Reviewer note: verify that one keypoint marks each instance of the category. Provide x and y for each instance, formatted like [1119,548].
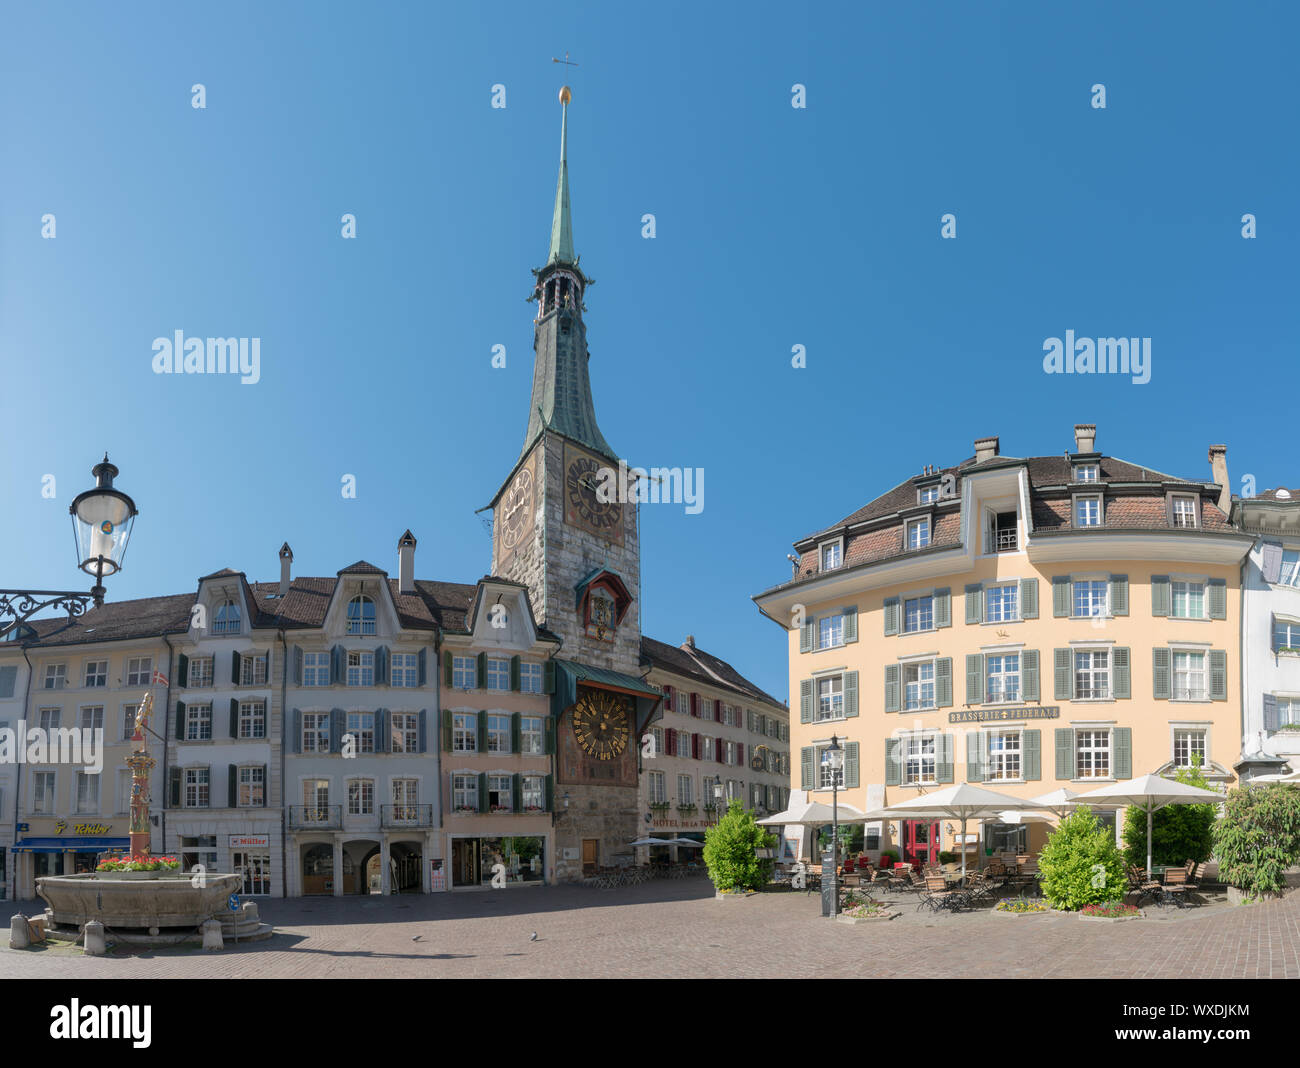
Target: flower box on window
[466,808]
[500,808]
[659,806]
[686,810]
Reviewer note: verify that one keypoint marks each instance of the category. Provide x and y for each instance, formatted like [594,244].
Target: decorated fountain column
[141,764]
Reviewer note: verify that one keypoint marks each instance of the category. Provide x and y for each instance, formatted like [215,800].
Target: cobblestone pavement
[678,930]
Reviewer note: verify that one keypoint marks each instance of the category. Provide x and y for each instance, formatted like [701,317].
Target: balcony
[406,815]
[315,817]
[1005,540]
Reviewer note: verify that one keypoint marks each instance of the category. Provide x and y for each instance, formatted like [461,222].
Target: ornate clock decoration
[601,724]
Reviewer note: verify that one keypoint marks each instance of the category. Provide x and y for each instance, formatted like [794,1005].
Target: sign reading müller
[250,841]
[992,715]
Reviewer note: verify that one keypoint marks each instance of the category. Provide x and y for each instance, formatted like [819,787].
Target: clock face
[583,504]
[516,508]
[601,724]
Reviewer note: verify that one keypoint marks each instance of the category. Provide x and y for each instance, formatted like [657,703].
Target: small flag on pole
[159,679]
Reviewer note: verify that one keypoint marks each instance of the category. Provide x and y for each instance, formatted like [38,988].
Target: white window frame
[404,732]
[685,789]
[917,533]
[1083,514]
[498,674]
[1175,729]
[919,666]
[922,758]
[530,676]
[1005,753]
[532,740]
[1014,598]
[315,732]
[498,735]
[464,732]
[101,675]
[199,781]
[249,670]
[464,792]
[252,711]
[1087,472]
[361,725]
[1175,499]
[1093,672]
[250,782]
[1187,584]
[927,494]
[360,625]
[316,669]
[404,671]
[838,681]
[1193,694]
[658,788]
[1288,575]
[836,545]
[43,798]
[139,670]
[198,715]
[464,672]
[57,674]
[358,798]
[1079,750]
[86,800]
[1090,582]
[360,667]
[989,674]
[924,611]
[197,679]
[833,623]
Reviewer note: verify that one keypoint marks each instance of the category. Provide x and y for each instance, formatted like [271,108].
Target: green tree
[1080,864]
[1258,837]
[729,851]
[1178,832]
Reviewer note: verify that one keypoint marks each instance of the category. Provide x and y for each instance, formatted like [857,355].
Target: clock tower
[558,530]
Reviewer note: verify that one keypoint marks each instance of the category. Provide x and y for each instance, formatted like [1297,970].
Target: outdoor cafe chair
[1176,886]
[937,895]
[1142,886]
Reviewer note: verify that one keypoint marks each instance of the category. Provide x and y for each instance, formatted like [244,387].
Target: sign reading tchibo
[989,715]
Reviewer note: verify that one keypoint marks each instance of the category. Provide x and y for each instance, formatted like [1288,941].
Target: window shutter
[852,775]
[269,679]
[695,747]
[1217,595]
[338,665]
[806,767]
[8,680]
[1119,595]
[295,743]
[180,721]
[850,693]
[668,698]
[740,754]
[447,720]
[1060,595]
[1029,598]
[482,791]
[183,670]
[893,769]
[480,719]
[1161,673]
[1218,675]
[266,784]
[694,705]
[232,786]
[943,682]
[514,674]
[234,717]
[717,710]
[482,671]
[670,739]
[1272,717]
[1063,682]
[1032,757]
[975,756]
[1160,595]
[1122,739]
[514,732]
[974,602]
[550,793]
[974,678]
[422,742]
[550,735]
[893,699]
[383,733]
[1121,673]
[717,750]
[297,665]
[891,616]
[381,666]
[234,667]
[447,669]
[807,635]
[422,668]
[1064,753]
[338,722]
[174,786]
[516,793]
[548,676]
[1271,561]
[943,607]
[850,624]
[1029,675]
[805,700]
[943,769]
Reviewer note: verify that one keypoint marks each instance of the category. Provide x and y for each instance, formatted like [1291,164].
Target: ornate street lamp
[102,519]
[833,759]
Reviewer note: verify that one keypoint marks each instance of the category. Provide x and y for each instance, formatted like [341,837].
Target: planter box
[720,896]
[1113,919]
[1238,897]
[1004,912]
[886,914]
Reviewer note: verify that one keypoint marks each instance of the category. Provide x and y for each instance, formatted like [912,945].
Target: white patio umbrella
[1149,792]
[686,842]
[650,840]
[813,814]
[961,802]
[1060,802]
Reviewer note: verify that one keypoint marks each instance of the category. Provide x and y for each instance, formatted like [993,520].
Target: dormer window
[1087,510]
[832,555]
[1183,511]
[928,494]
[1087,472]
[918,533]
[361,615]
[1003,532]
[227,619]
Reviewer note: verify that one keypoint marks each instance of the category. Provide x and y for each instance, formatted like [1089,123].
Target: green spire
[561,222]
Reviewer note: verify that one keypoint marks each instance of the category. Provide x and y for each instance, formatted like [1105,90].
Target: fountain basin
[140,899]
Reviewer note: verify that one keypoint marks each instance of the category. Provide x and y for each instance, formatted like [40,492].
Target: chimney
[1085,437]
[1219,467]
[286,558]
[985,449]
[690,642]
[406,563]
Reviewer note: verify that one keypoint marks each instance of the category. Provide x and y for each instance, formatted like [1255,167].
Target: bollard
[212,934]
[95,945]
[18,937]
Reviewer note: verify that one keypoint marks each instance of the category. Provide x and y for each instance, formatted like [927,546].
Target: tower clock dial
[584,507]
[517,507]
[601,724]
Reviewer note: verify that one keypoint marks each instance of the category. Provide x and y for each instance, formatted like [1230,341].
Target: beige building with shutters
[1030,624]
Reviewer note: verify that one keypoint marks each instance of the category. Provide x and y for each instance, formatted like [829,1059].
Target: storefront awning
[568,676]
[65,845]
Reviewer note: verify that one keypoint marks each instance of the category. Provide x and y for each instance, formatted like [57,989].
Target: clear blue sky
[776,227]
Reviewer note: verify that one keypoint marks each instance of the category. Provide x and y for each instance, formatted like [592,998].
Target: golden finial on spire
[565,94]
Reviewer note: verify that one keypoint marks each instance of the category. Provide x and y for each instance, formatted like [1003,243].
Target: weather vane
[565,60]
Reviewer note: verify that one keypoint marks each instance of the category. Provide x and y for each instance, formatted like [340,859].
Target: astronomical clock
[582,489]
[597,747]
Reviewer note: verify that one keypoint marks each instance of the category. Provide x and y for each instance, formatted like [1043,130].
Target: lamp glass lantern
[102,519]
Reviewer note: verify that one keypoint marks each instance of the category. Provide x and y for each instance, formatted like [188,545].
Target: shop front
[62,848]
[513,860]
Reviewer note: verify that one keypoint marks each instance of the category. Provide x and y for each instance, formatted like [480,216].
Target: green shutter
[975,756]
[943,682]
[893,701]
[482,671]
[1032,756]
[174,786]
[1160,595]
[805,700]
[516,793]
[234,717]
[891,615]
[1060,595]
[1121,673]
[447,668]
[808,636]
[852,778]
[1119,595]
[1161,673]
[974,602]
[806,767]
[514,732]
[550,793]
[943,767]
[183,671]
[266,785]
[514,675]
[850,624]
[482,791]
[1029,598]
[481,719]
[234,668]
[232,786]
[850,693]
[180,720]
[1217,595]
[1029,675]
[1063,677]
[548,676]
[893,770]
[1064,753]
[550,735]
[446,730]
[1218,675]
[943,607]
[974,678]
[1123,741]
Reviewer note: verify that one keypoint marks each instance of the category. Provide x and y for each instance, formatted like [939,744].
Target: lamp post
[102,519]
[834,761]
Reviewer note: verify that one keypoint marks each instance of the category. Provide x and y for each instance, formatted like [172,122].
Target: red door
[920,842]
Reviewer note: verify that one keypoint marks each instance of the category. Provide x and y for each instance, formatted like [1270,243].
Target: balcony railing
[1194,693]
[406,815]
[1092,693]
[316,817]
[1004,540]
[1007,696]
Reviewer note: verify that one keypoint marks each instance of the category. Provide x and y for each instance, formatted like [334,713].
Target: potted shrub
[1257,839]
[731,853]
[1081,865]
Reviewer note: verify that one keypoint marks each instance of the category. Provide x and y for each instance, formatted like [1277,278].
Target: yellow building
[1056,622]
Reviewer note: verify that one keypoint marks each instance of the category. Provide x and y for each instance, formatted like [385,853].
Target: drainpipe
[167,704]
[284,731]
[18,782]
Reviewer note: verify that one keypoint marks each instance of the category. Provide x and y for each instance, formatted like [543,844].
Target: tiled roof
[118,621]
[363,567]
[1279,494]
[702,667]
